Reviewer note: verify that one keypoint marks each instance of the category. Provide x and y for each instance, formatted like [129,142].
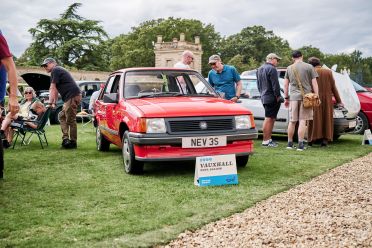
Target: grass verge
[83,198]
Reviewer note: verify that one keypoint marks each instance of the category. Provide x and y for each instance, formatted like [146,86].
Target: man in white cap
[224,79]
[63,83]
[269,88]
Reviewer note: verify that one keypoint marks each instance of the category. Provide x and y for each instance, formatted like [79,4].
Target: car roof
[151,69]
[90,81]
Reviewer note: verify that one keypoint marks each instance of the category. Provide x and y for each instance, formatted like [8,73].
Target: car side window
[112,84]
[115,85]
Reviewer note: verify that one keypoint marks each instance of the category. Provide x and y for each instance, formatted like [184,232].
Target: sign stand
[216,170]
[367,137]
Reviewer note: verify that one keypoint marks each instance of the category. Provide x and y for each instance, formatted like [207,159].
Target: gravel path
[332,210]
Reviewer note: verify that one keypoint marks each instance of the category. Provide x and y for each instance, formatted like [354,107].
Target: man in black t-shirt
[63,83]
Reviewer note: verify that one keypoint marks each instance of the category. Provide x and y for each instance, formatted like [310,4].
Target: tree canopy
[71,39]
[137,49]
[83,44]
[253,44]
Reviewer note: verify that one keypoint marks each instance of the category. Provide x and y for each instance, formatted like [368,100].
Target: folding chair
[25,132]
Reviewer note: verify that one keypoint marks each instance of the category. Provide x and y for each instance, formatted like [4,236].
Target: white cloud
[333,26]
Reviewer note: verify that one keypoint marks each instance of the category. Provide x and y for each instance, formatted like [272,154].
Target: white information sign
[216,170]
[367,137]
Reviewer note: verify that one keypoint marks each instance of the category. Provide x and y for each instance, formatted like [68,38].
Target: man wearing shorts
[297,112]
[269,88]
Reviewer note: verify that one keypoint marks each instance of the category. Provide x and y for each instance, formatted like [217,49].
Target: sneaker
[301,146]
[66,143]
[72,145]
[290,145]
[270,144]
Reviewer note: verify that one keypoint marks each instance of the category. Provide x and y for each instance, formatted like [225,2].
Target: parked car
[364,118]
[41,83]
[143,111]
[250,98]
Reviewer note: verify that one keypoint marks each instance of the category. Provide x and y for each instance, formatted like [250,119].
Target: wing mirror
[111,98]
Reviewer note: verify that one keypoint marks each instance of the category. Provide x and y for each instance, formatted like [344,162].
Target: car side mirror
[111,98]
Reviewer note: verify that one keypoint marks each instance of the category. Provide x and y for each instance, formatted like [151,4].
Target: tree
[136,48]
[254,44]
[237,61]
[71,39]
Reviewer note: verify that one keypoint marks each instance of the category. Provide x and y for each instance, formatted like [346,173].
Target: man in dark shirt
[269,88]
[63,83]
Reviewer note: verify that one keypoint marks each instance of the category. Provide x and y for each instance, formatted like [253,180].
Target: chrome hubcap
[126,154]
[359,124]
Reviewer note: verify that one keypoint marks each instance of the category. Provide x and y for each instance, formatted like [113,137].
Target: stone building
[169,53]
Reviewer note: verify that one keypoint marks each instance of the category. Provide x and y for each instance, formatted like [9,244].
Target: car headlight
[243,122]
[337,113]
[155,125]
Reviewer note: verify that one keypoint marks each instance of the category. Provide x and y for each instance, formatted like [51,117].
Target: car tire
[242,161]
[102,143]
[131,165]
[361,123]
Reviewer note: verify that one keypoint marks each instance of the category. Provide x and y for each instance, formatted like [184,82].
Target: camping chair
[23,130]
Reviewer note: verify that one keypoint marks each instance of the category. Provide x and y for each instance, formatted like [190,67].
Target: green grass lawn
[83,198]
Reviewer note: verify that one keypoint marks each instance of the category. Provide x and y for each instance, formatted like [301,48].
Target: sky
[333,26]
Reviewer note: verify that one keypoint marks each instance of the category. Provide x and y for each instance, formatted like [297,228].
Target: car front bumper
[163,147]
[343,125]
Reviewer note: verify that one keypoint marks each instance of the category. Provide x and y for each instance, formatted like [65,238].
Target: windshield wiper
[202,94]
[168,94]
[156,94]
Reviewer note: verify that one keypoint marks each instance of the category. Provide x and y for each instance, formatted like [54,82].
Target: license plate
[352,124]
[205,141]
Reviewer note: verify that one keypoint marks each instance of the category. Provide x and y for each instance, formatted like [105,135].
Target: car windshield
[358,87]
[250,89]
[157,83]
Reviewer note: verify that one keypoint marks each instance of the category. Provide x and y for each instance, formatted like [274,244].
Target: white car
[250,98]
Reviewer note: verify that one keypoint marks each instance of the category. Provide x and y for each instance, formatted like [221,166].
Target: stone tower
[169,53]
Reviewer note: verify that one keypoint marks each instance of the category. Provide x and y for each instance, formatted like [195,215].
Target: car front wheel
[242,161]
[131,165]
[102,143]
[361,123]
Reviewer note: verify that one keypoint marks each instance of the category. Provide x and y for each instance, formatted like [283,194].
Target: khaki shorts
[298,112]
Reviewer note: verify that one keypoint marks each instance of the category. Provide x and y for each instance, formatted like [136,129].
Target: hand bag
[309,100]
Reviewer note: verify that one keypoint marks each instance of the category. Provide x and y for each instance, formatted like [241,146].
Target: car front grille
[200,124]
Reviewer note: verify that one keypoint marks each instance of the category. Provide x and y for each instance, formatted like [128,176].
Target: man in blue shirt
[225,79]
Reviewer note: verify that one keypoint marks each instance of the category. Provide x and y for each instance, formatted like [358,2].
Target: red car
[364,118]
[161,114]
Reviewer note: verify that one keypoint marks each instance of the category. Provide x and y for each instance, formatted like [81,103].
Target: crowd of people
[300,78]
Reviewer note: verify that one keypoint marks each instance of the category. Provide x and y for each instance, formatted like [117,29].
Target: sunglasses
[28,92]
[212,64]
